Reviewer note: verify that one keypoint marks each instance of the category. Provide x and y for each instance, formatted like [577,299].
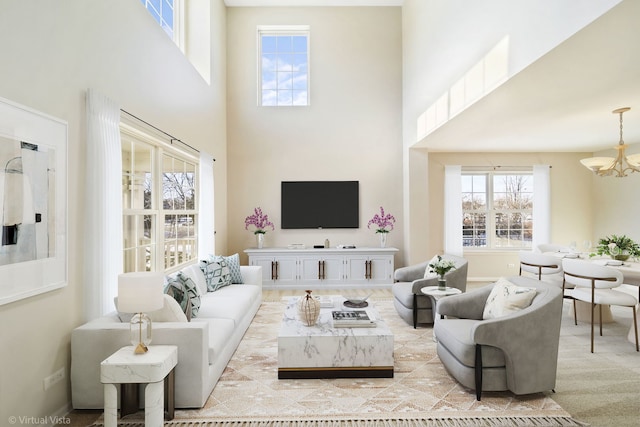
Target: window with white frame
[167,13]
[283,65]
[160,213]
[497,210]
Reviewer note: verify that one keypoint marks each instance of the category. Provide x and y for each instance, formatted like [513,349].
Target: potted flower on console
[618,247]
[442,267]
[260,221]
[384,224]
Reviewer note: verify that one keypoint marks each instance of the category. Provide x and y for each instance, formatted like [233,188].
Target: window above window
[283,65]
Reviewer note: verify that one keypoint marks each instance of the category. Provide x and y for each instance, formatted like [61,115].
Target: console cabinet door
[333,270]
[310,269]
[357,269]
[286,271]
[267,266]
[369,269]
[321,269]
[381,269]
[275,270]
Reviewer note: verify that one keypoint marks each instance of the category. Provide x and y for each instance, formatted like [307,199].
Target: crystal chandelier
[618,166]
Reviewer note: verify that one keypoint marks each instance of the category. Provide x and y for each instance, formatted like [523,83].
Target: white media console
[324,267]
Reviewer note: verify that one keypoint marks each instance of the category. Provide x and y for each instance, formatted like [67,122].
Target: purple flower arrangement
[382,221]
[259,221]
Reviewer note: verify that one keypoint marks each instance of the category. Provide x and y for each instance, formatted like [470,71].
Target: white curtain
[453,209]
[541,205]
[103,205]
[206,226]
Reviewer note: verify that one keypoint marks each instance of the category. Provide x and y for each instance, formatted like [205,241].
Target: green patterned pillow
[216,274]
[192,291]
[175,288]
[233,262]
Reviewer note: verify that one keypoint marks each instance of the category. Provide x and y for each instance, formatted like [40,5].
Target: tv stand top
[334,250]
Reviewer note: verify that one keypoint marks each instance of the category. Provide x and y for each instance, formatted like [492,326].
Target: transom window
[497,210]
[168,14]
[159,204]
[283,58]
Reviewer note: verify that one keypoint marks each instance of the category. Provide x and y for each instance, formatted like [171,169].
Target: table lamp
[138,293]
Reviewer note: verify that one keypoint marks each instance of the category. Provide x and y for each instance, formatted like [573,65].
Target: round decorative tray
[351,304]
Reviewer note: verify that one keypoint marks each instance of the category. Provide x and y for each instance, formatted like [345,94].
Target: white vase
[260,240]
[383,240]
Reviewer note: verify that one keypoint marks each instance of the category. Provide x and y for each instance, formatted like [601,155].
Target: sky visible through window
[162,12]
[284,69]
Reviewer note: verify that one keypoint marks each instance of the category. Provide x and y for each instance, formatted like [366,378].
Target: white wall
[51,53]
[442,40]
[616,205]
[351,130]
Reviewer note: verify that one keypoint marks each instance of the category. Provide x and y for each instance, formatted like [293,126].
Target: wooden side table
[153,368]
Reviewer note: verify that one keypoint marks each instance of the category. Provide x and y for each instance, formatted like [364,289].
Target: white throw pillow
[428,274]
[506,298]
[196,274]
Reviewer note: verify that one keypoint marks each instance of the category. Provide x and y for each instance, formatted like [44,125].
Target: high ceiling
[562,102]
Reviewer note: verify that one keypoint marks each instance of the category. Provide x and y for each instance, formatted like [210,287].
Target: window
[497,210]
[283,58]
[159,204]
[167,15]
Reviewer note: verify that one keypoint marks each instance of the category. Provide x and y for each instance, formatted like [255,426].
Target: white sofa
[205,344]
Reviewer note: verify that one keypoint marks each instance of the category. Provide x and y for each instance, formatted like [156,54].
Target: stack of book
[352,319]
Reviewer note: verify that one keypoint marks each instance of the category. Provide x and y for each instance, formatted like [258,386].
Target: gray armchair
[516,352]
[410,303]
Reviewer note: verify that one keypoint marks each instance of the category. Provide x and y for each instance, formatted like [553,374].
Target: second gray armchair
[410,303]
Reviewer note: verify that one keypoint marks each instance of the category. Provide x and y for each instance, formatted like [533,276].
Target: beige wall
[51,53]
[351,130]
[571,201]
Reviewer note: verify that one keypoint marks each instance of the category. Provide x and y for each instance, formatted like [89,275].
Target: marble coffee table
[322,351]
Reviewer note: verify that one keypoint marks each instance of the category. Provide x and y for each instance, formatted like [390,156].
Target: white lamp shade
[634,159]
[140,292]
[597,163]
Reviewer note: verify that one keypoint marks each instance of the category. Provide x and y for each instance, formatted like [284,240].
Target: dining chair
[593,284]
[546,268]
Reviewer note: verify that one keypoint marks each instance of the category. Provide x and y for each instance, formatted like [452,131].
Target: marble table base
[321,351]
[152,369]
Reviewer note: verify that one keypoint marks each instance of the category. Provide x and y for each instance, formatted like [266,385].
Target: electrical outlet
[56,377]
[511,265]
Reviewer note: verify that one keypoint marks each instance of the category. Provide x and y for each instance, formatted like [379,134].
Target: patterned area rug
[422,393]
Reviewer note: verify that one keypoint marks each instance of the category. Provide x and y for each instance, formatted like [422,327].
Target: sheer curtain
[541,205]
[453,209]
[206,237]
[103,210]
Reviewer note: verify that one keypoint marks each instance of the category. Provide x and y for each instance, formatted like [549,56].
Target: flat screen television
[320,204]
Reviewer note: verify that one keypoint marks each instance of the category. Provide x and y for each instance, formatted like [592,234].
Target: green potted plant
[618,247]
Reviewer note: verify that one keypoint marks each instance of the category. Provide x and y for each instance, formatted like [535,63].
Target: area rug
[421,393]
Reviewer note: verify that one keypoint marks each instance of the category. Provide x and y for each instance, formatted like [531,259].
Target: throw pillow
[506,298]
[192,292]
[428,273]
[216,273]
[233,262]
[176,289]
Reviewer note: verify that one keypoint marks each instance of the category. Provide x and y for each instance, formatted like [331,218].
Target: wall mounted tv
[320,204]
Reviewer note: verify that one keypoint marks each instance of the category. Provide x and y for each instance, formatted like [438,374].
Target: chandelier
[618,166]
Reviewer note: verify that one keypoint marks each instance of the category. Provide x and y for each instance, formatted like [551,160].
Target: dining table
[630,270]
